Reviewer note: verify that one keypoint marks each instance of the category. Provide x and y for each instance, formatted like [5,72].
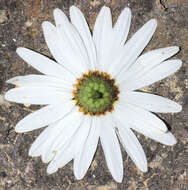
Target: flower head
[89,92]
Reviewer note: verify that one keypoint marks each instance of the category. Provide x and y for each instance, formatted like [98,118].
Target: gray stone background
[20,25]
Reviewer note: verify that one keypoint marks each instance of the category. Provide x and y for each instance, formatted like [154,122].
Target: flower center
[95,93]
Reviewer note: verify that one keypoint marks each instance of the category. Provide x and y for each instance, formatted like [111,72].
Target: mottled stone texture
[20,25]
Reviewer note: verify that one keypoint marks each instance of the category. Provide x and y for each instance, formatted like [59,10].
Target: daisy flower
[89,92]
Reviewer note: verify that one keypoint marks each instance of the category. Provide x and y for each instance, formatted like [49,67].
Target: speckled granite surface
[20,25]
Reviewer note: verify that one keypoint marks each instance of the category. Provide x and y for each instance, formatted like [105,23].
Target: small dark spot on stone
[12,47]
[3,174]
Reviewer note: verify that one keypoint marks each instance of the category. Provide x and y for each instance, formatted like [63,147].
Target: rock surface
[20,25]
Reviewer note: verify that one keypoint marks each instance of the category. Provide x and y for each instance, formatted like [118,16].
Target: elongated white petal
[151,102]
[132,145]
[61,49]
[102,36]
[36,148]
[44,116]
[164,138]
[40,81]
[82,134]
[122,26]
[84,158]
[50,35]
[146,62]
[64,146]
[78,20]
[126,112]
[73,50]
[37,95]
[151,127]
[43,64]
[134,47]
[157,73]
[111,148]
[115,40]
[62,157]
[63,132]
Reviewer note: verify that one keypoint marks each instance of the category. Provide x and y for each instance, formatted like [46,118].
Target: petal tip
[119,180]
[73,7]
[51,169]
[176,48]
[127,9]
[6,96]
[18,129]
[145,169]
[173,141]
[57,10]
[179,108]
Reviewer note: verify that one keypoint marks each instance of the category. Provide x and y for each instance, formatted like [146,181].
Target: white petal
[44,116]
[84,158]
[132,146]
[82,134]
[43,64]
[157,73]
[78,20]
[111,148]
[66,147]
[37,147]
[64,156]
[63,132]
[37,95]
[102,36]
[164,138]
[40,81]
[126,112]
[61,49]
[134,47]
[50,35]
[150,127]
[146,62]
[116,39]
[151,102]
[73,49]
[122,26]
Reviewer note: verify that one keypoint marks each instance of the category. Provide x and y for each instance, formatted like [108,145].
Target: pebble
[153,147]
[1,99]
[3,16]
[164,155]
[157,158]
[28,23]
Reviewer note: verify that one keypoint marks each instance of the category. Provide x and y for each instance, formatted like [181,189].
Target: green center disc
[95,93]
